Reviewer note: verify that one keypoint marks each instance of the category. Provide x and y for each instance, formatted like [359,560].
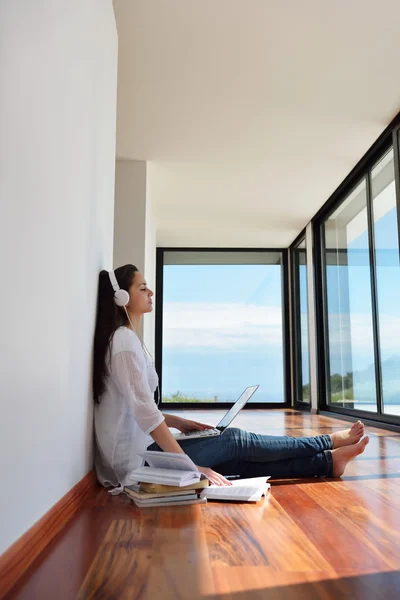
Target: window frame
[389,138]
[285,331]
[296,348]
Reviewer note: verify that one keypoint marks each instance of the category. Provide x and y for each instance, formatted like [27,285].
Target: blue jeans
[238,452]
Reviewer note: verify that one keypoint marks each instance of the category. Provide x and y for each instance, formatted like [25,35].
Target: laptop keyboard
[201,433]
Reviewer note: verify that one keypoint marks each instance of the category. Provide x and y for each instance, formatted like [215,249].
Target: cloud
[234,326]
[354,333]
[227,326]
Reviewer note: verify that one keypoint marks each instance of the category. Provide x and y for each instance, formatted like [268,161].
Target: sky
[222,331]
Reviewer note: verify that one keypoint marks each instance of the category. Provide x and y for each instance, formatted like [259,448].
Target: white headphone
[121,297]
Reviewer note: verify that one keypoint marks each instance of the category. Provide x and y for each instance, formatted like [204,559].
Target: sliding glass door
[359,286]
[351,380]
[386,241]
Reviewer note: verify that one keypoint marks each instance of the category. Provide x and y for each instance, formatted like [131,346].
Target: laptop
[224,422]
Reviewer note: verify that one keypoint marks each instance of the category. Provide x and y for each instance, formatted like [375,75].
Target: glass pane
[351,365]
[222,326]
[302,362]
[387,279]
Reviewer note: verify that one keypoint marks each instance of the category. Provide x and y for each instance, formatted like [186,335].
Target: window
[350,368]
[222,325]
[357,277]
[386,237]
[300,317]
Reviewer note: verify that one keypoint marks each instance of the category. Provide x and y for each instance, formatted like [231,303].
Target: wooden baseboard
[18,558]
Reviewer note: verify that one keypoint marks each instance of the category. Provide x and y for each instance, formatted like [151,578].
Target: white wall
[150,263]
[130,213]
[135,228]
[58,69]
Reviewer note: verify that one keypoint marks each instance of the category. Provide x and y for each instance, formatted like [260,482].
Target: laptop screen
[237,407]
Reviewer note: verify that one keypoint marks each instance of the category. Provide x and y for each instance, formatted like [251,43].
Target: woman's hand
[184,425]
[213,476]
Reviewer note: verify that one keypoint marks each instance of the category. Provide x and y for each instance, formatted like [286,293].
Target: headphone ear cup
[121,298]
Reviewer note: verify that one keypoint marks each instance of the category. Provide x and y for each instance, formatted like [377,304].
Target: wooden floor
[310,539]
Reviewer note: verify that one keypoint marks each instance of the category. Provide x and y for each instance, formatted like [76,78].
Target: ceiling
[250,113]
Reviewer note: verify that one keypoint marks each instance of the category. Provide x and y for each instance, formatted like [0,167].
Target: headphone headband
[114,281]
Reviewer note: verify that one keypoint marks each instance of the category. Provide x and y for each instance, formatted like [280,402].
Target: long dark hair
[109,318]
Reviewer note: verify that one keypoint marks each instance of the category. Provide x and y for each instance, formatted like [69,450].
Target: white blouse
[127,412]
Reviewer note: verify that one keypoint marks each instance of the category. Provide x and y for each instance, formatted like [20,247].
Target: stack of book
[173,479]
[168,479]
[155,494]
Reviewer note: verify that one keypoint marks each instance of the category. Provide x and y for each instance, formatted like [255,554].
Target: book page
[247,494]
[249,490]
[174,477]
[234,493]
[167,476]
[251,481]
[169,460]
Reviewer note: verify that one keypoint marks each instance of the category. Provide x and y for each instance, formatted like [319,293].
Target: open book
[241,490]
[167,468]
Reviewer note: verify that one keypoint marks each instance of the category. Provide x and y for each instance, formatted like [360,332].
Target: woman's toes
[357,428]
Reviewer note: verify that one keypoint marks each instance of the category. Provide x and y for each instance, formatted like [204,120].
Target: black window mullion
[374,294]
[297,359]
[159,318]
[297,323]
[287,387]
[396,152]
[321,314]
[323,319]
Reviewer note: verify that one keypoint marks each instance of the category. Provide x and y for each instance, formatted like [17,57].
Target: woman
[127,419]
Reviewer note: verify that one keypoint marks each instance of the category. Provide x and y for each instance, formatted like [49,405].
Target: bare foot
[341,456]
[348,437]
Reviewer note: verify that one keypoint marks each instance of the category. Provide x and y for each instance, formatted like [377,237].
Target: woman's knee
[235,436]
[232,432]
